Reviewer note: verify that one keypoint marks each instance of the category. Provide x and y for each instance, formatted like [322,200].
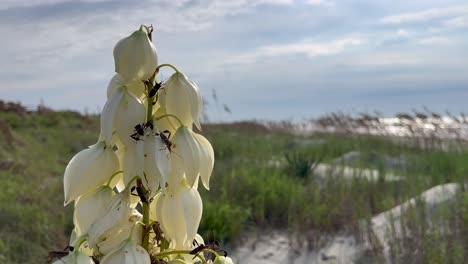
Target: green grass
[260,181]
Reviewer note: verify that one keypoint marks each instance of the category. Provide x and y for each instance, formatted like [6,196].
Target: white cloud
[457,22]
[425,15]
[319,2]
[402,33]
[307,48]
[435,41]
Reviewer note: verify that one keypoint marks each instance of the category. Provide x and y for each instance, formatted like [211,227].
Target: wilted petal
[113,239]
[128,253]
[90,207]
[135,56]
[89,169]
[116,214]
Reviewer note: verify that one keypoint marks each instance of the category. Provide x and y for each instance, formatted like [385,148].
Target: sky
[264,59]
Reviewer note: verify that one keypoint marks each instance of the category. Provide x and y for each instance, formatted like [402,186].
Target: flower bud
[181,97]
[89,169]
[135,56]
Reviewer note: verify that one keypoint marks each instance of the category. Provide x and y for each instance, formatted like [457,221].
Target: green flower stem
[145,242]
[167,65]
[112,177]
[169,115]
[131,181]
[212,252]
[178,252]
[146,219]
[149,109]
[80,241]
[145,206]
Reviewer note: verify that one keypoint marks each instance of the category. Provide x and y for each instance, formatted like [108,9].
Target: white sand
[275,247]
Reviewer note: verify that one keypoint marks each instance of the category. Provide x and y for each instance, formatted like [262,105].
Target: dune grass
[260,181]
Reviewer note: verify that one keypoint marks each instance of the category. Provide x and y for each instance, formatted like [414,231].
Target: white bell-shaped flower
[135,56]
[75,257]
[90,207]
[130,113]
[116,214]
[136,88]
[179,214]
[89,169]
[181,97]
[128,253]
[121,113]
[194,156]
[157,164]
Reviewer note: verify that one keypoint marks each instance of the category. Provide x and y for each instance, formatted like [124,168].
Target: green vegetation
[262,179]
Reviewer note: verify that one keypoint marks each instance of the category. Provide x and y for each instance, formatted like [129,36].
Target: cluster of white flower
[135,190]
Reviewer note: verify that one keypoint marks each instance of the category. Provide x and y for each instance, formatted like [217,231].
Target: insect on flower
[211,246]
[140,130]
[59,254]
[165,139]
[140,193]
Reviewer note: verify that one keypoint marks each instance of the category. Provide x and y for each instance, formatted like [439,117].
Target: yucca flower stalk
[140,179]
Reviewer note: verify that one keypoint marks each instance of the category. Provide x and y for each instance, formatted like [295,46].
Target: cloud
[62,49]
[435,41]
[320,2]
[457,22]
[307,48]
[425,15]
[402,33]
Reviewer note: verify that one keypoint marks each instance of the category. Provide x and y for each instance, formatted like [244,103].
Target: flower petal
[108,116]
[206,161]
[89,169]
[90,207]
[193,208]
